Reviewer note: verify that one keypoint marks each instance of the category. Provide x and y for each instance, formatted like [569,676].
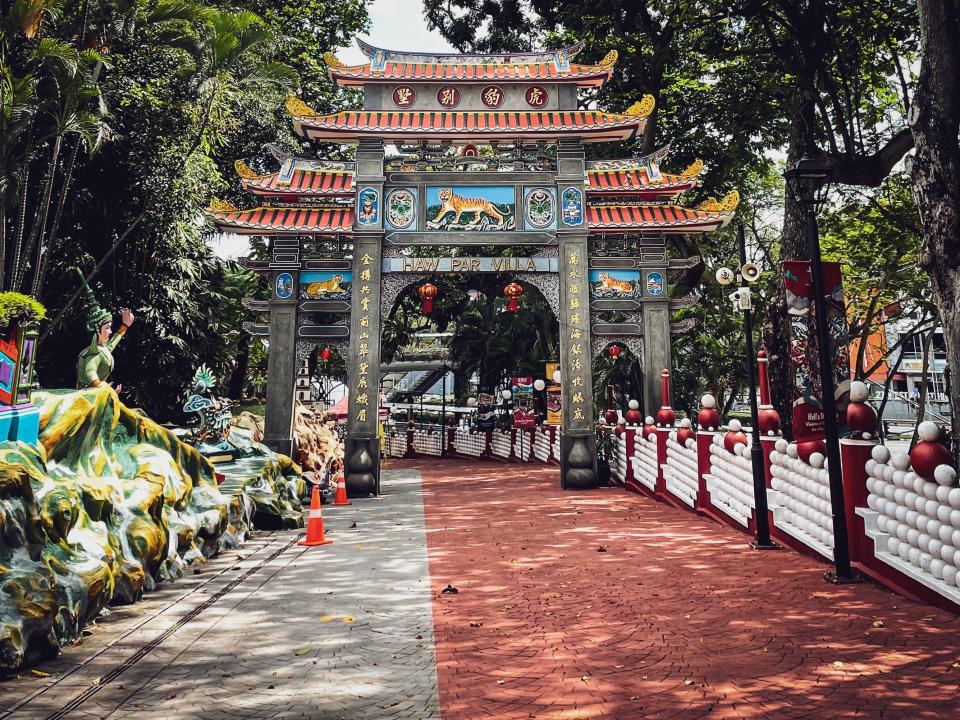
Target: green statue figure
[96,361]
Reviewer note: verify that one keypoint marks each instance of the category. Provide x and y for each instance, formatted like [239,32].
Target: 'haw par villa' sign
[490,154]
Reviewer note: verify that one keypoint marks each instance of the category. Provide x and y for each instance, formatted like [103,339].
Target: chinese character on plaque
[404,96]
[448,96]
[492,96]
[535,96]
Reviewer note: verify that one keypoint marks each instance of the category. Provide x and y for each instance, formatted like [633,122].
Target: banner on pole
[806,389]
[524,413]
[486,408]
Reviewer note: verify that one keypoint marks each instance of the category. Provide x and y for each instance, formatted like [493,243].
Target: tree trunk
[40,224]
[237,378]
[935,121]
[793,245]
[924,380]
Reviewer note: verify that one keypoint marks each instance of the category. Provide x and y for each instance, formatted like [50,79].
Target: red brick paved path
[677,619]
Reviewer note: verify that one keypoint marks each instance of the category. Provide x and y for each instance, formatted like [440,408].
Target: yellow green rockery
[107,505]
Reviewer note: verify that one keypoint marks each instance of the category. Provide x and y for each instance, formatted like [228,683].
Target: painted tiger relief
[332,285]
[611,283]
[450,201]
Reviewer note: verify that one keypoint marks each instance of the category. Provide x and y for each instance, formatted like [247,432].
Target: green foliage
[16,307]
[121,149]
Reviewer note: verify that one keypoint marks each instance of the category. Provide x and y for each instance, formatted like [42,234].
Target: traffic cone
[341,497]
[315,534]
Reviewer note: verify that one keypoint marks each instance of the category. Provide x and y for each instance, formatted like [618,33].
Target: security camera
[741,299]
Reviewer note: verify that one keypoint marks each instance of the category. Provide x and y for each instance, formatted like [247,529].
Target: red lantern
[614,351]
[427,292]
[325,354]
[513,291]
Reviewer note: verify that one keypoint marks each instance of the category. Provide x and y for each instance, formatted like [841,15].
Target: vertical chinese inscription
[576,318]
[362,389]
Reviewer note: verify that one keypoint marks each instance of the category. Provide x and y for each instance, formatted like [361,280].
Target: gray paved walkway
[273,631]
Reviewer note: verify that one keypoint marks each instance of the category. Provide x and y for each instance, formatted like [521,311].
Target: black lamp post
[762,540]
[808,182]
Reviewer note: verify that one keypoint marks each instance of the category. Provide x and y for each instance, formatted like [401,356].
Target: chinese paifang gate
[491,153]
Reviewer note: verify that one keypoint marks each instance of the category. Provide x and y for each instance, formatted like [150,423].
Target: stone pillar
[656,346]
[362,452]
[281,364]
[578,445]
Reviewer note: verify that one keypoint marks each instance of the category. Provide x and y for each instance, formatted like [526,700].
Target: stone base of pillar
[282,445]
[362,461]
[578,461]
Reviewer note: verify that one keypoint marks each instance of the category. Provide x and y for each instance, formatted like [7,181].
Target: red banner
[808,419]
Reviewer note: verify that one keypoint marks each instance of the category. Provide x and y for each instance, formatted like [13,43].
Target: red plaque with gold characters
[492,96]
[448,96]
[536,96]
[404,96]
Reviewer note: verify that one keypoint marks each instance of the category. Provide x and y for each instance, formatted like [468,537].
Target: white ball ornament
[913,555]
[648,420]
[792,450]
[925,561]
[882,521]
[900,461]
[781,445]
[898,495]
[914,481]
[880,454]
[949,574]
[930,490]
[936,568]
[923,542]
[708,401]
[945,533]
[945,475]
[942,493]
[892,545]
[928,431]
[870,466]
[956,558]
[913,535]
[634,405]
[955,518]
[871,501]
[859,392]
[930,508]
[920,503]
[953,498]
[817,459]
[903,551]
[946,554]
[943,514]
[922,521]
[902,532]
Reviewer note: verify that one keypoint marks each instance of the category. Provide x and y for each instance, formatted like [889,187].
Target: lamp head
[809,181]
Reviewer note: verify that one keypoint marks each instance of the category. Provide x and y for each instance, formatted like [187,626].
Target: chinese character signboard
[808,419]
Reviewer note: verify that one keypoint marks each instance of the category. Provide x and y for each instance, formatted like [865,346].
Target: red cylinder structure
[665,415]
[768,419]
[513,291]
[427,292]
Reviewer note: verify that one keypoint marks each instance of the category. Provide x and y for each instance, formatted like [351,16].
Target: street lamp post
[808,181]
[743,302]
[762,540]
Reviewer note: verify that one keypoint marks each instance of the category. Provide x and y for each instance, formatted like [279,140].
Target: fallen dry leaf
[302,651]
[878,623]
[837,664]
[39,673]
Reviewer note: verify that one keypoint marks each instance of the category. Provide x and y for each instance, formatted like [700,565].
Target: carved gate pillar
[362,451]
[656,350]
[281,362]
[578,444]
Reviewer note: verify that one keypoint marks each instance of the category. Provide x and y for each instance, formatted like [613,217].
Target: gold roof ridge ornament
[218,205]
[696,167]
[643,107]
[245,171]
[609,60]
[297,107]
[727,205]
[331,60]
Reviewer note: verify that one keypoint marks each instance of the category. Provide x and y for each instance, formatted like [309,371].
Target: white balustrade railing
[645,460]
[914,523]
[730,482]
[555,447]
[523,445]
[396,445]
[541,445]
[500,444]
[799,497]
[680,473]
[427,443]
[469,443]
[618,457]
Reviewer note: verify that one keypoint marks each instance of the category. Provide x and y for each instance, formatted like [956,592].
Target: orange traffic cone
[341,497]
[315,534]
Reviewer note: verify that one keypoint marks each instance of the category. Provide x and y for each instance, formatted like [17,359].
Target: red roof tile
[584,76]
[302,182]
[267,221]
[661,218]
[637,182]
[347,127]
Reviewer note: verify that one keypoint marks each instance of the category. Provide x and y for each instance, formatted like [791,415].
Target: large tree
[935,123]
